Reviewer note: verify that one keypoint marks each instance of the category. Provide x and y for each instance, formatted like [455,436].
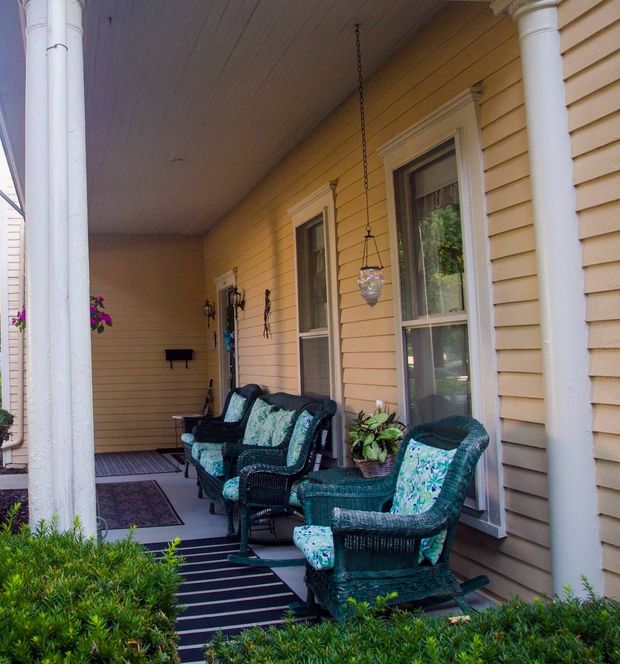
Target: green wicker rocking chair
[355,548]
[268,479]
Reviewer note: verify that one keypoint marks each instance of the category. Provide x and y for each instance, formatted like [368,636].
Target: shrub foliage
[565,630]
[67,598]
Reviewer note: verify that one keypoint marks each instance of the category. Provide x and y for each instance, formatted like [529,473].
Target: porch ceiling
[190,104]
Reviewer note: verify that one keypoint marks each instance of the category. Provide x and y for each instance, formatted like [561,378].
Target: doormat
[216,594]
[122,505]
[114,464]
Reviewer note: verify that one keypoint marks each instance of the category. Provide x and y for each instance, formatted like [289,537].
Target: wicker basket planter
[376,468]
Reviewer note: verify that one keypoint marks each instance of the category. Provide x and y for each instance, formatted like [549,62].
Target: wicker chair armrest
[266,483]
[270,456]
[320,500]
[385,524]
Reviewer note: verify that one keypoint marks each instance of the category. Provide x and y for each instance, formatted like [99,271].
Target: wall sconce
[237,300]
[209,311]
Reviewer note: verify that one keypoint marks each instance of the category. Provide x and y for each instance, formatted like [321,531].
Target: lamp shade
[370,283]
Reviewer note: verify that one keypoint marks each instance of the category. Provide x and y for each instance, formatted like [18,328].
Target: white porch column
[60,417]
[575,543]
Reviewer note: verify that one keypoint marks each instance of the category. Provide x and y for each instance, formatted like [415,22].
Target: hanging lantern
[370,281]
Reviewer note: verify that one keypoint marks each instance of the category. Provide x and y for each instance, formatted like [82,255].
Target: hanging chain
[360,80]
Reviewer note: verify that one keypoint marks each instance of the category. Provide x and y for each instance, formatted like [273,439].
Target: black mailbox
[173,354]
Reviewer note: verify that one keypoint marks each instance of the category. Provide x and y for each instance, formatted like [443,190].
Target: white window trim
[458,120]
[322,202]
[225,280]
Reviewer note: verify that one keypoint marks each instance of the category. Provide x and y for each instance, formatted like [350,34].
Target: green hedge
[560,631]
[66,598]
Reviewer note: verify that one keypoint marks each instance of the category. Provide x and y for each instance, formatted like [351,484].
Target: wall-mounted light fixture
[236,299]
[209,311]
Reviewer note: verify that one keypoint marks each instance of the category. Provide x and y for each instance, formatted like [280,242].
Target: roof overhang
[190,104]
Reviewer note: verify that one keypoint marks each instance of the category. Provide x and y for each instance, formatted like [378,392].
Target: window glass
[315,365]
[312,279]
[432,272]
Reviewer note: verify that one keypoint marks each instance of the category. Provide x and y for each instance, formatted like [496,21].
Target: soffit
[190,104]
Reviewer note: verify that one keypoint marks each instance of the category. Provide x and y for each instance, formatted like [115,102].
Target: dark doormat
[122,504]
[217,595]
[114,464]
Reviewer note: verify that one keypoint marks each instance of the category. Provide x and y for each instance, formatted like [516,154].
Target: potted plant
[375,439]
[6,421]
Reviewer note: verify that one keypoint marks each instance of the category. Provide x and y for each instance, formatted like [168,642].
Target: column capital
[517,8]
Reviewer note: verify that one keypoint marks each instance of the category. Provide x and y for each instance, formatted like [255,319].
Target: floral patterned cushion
[231,491]
[235,409]
[317,545]
[419,482]
[199,448]
[282,425]
[298,437]
[187,438]
[212,461]
[253,429]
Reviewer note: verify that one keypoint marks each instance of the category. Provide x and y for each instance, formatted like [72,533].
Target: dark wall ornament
[267,314]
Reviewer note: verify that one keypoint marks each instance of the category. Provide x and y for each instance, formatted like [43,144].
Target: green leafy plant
[67,598]
[563,630]
[374,436]
[6,421]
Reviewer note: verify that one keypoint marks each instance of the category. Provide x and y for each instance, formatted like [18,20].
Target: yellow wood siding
[590,37]
[16,269]
[462,46]
[153,289]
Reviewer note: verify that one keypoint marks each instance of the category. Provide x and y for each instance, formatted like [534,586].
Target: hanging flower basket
[98,318]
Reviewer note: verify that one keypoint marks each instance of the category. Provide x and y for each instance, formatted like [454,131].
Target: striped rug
[219,595]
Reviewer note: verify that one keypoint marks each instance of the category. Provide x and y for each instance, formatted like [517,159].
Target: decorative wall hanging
[267,314]
[370,281]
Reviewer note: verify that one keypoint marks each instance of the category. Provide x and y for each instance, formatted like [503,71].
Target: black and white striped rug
[219,595]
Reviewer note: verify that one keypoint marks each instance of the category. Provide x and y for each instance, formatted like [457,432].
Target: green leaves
[67,598]
[563,631]
[374,436]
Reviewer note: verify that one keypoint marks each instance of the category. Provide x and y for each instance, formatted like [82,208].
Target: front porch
[208,175]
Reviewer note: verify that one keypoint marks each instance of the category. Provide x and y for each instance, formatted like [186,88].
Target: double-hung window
[318,328]
[443,306]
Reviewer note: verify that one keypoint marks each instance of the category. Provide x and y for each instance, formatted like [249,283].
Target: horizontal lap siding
[153,289]
[16,270]
[461,47]
[519,564]
[590,37]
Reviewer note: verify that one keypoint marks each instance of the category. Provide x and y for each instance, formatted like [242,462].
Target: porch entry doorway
[227,335]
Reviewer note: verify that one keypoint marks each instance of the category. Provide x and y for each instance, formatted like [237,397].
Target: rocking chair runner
[359,550]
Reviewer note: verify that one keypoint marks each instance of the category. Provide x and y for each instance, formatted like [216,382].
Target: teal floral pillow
[265,430]
[298,437]
[235,409]
[419,482]
[282,425]
[261,410]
